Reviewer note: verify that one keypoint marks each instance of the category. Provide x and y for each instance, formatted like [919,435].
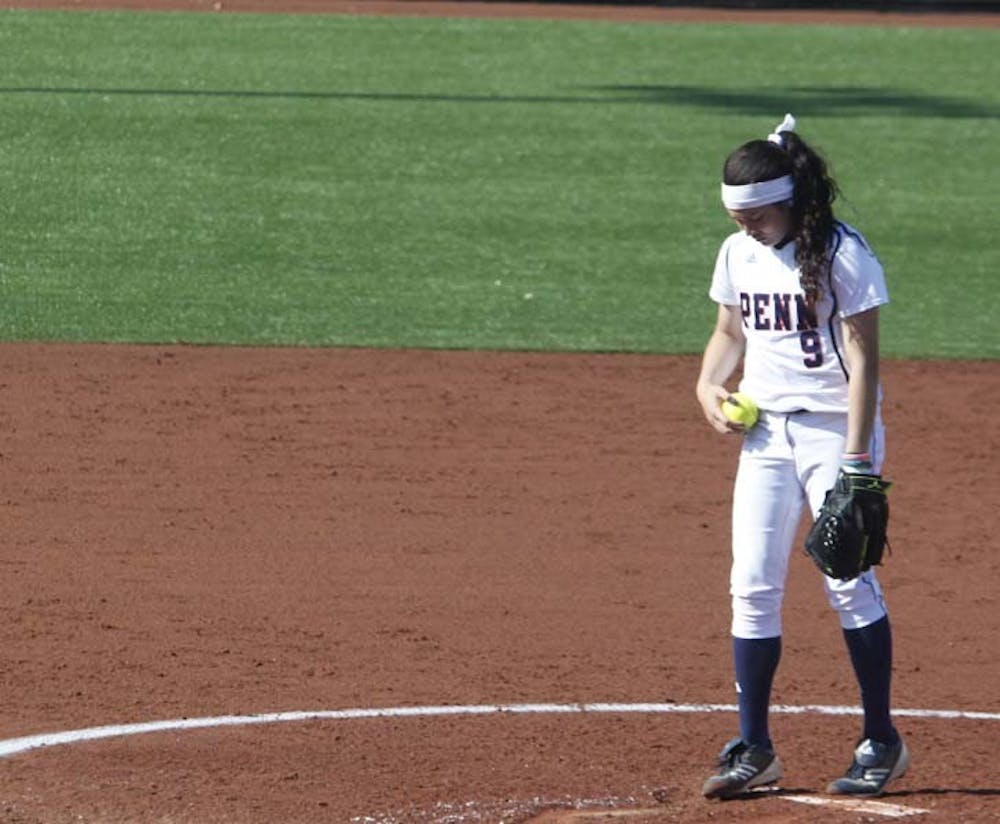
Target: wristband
[856,463]
[856,456]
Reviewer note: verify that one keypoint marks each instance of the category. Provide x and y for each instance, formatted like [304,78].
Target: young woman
[798,294]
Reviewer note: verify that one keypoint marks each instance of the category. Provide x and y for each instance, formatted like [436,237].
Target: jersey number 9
[812,346]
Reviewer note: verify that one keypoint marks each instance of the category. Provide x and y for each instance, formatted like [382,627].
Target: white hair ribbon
[786,125]
[752,195]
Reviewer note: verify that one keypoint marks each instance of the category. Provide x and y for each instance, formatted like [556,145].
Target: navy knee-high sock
[756,660]
[871,655]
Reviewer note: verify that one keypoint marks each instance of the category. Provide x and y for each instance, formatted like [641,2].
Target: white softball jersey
[795,357]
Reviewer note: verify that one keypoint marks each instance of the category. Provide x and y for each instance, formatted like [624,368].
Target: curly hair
[812,199]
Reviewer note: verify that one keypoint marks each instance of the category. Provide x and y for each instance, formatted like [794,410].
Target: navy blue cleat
[875,765]
[741,767]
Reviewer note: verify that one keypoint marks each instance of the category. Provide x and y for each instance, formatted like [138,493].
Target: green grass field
[466,183]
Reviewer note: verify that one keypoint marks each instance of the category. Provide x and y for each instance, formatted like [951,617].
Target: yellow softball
[741,408]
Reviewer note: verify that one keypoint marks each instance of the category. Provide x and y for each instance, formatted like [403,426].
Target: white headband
[758,194]
[766,192]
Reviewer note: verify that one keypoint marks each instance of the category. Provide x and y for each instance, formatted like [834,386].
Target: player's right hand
[711,397]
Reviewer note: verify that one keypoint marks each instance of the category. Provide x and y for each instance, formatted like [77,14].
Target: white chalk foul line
[14,746]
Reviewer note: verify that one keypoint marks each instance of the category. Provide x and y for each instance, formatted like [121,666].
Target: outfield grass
[466,183]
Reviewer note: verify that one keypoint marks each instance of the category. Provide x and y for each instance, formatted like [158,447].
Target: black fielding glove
[849,534]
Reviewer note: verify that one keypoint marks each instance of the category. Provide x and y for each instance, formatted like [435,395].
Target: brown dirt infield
[199,532]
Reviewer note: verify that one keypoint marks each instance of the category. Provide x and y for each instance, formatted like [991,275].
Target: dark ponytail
[812,199]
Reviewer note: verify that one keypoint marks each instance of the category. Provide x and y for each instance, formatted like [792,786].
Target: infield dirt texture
[205,532]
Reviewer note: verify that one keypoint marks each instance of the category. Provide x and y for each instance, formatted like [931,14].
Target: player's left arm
[862,353]
[849,534]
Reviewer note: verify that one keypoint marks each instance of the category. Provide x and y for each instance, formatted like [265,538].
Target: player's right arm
[722,355]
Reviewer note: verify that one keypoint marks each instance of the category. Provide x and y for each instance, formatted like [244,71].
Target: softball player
[798,294]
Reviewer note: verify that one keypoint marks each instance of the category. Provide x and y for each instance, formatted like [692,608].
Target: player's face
[766,224]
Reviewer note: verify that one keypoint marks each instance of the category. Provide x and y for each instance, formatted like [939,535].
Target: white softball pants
[788,460]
